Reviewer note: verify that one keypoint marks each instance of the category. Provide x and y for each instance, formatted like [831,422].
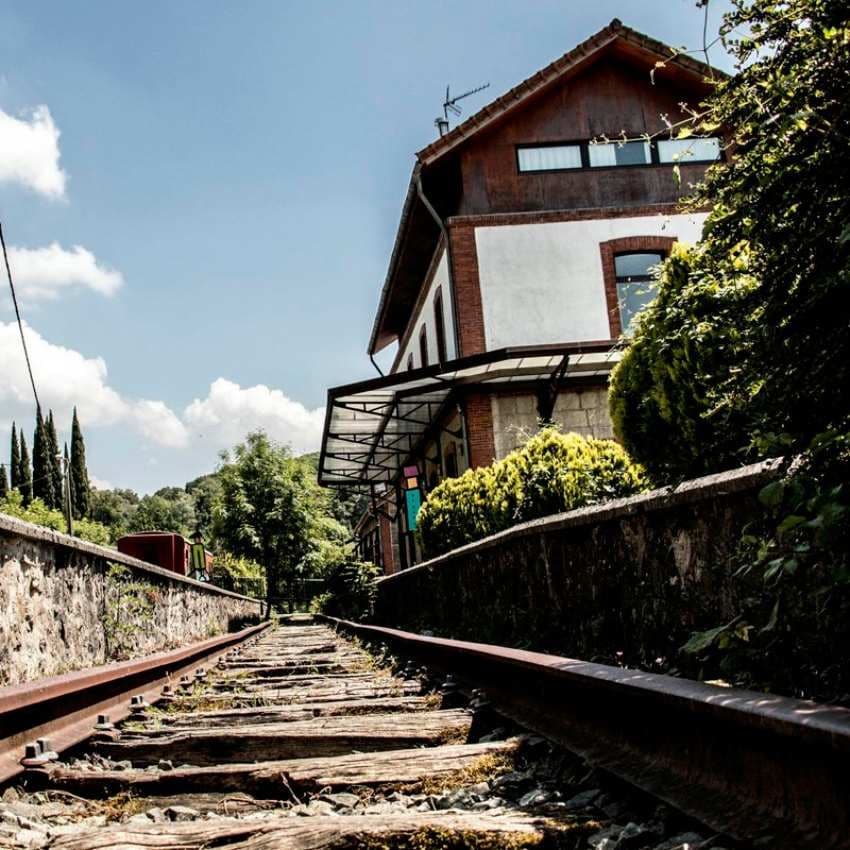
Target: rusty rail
[745,763]
[64,708]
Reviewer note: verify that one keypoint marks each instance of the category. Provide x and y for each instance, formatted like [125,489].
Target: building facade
[525,249]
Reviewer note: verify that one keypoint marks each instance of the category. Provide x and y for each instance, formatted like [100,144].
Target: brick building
[524,251]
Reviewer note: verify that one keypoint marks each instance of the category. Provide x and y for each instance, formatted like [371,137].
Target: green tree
[268,508]
[24,477]
[80,487]
[204,492]
[14,460]
[42,463]
[169,509]
[56,463]
[114,509]
[747,343]
[4,482]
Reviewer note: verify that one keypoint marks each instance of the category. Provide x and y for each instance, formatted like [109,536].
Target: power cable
[18,316]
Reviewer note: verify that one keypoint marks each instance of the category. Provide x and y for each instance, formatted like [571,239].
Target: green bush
[349,591]
[677,401]
[551,473]
[745,352]
[39,514]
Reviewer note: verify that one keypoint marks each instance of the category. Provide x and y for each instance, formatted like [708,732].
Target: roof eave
[380,339]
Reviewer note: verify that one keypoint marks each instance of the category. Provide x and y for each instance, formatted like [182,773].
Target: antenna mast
[450,105]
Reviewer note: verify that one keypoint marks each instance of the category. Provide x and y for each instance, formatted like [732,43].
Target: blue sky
[232,175]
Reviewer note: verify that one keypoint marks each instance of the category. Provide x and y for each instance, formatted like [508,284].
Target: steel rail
[65,708]
[745,763]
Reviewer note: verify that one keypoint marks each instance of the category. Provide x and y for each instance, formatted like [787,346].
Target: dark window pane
[635,265]
[423,346]
[633,297]
[619,153]
[440,326]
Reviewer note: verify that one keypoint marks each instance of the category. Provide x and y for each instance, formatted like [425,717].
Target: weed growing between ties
[485,768]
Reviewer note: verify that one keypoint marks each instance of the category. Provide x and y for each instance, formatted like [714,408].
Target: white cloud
[43,274]
[230,411]
[156,421]
[64,378]
[100,483]
[29,152]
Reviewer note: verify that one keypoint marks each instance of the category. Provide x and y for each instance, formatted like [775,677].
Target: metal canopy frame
[373,426]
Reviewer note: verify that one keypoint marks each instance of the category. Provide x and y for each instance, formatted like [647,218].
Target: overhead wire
[18,316]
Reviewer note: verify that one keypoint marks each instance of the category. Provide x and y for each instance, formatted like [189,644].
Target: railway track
[299,738]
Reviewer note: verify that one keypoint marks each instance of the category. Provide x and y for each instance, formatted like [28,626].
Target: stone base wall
[625,581]
[583,411]
[66,605]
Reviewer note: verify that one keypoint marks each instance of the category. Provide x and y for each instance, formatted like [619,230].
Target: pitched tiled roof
[570,61]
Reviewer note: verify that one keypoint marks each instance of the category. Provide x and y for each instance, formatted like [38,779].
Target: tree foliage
[57,478]
[24,477]
[168,509]
[80,487]
[551,473]
[39,514]
[42,464]
[745,352]
[270,510]
[14,459]
[746,348]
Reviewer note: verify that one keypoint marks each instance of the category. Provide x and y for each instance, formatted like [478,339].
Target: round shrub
[553,472]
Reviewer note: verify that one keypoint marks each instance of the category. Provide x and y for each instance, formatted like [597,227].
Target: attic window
[689,150]
[548,157]
[619,153]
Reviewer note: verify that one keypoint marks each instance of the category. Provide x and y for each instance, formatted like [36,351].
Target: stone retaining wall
[66,604]
[628,580]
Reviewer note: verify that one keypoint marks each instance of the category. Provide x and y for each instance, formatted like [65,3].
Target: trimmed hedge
[551,473]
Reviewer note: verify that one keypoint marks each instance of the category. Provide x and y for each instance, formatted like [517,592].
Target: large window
[688,150]
[619,153]
[440,326]
[636,285]
[549,157]
[571,156]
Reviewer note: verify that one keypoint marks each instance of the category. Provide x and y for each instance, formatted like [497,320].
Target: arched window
[627,273]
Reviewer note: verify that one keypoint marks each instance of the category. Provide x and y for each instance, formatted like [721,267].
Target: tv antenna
[450,104]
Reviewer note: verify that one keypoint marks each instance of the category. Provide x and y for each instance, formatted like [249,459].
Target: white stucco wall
[543,283]
[426,316]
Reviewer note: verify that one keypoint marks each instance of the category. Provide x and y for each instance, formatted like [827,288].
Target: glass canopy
[373,426]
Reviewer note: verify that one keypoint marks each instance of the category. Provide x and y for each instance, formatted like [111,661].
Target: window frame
[659,254]
[584,146]
[440,326]
[575,143]
[647,244]
[423,345]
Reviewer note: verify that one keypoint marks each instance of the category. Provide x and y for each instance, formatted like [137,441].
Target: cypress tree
[42,467]
[67,493]
[15,462]
[55,463]
[79,473]
[25,473]
[4,482]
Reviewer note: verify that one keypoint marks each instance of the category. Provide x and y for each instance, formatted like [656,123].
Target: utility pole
[69,514]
